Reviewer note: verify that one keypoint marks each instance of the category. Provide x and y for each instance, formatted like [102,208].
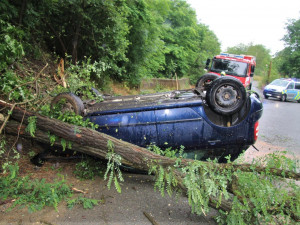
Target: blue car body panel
[180,122]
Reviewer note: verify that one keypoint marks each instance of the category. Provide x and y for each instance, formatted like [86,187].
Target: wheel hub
[226,96]
[67,107]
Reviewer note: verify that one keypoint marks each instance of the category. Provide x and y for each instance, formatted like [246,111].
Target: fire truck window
[230,67]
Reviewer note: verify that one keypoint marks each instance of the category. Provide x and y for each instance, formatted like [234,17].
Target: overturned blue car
[216,119]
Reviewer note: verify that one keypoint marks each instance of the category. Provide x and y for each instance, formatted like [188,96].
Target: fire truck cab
[239,66]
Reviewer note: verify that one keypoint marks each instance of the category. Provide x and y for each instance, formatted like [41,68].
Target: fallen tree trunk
[15,128]
[138,156]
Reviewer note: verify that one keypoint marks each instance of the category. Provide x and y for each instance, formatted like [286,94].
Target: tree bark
[22,10]
[75,41]
[15,128]
[64,49]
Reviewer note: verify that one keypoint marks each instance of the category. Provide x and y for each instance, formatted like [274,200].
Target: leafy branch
[243,197]
[113,172]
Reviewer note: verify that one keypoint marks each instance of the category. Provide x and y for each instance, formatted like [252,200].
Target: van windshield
[229,67]
[280,83]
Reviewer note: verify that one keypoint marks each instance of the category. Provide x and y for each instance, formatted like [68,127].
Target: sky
[255,21]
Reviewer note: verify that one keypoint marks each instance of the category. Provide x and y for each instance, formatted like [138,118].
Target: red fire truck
[239,66]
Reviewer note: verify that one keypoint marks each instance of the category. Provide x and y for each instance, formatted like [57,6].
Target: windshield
[280,83]
[229,67]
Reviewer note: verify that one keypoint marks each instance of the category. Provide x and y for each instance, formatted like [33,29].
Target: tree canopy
[130,39]
[261,53]
[133,39]
[289,58]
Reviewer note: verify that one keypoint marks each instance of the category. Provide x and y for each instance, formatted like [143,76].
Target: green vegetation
[8,158]
[257,198]
[122,40]
[36,194]
[113,172]
[89,168]
[106,41]
[289,58]
[87,203]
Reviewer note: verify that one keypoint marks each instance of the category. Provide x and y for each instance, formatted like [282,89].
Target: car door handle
[213,142]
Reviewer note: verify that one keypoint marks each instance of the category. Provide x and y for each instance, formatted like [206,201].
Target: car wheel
[283,98]
[68,102]
[226,95]
[266,97]
[204,81]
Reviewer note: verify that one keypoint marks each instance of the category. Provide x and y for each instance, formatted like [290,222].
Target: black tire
[204,81]
[283,98]
[266,97]
[72,103]
[226,95]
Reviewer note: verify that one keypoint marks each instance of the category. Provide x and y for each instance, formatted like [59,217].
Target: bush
[11,48]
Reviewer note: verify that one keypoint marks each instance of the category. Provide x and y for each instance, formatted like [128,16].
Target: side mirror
[252,71]
[207,64]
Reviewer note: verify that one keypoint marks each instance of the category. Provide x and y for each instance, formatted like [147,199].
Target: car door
[179,127]
[138,128]
[297,89]
[290,91]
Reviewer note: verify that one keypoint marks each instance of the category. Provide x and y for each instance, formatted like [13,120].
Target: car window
[291,86]
[177,114]
[280,83]
[297,86]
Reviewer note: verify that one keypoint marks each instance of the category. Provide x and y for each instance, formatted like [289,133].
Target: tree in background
[145,51]
[186,42]
[263,56]
[264,61]
[77,28]
[131,39]
[11,48]
[289,58]
[208,47]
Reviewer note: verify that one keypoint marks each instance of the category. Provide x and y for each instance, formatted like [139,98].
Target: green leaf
[31,127]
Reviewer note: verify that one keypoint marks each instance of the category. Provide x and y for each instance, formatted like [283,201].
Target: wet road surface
[280,124]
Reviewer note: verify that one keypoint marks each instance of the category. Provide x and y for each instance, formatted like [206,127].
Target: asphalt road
[280,123]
